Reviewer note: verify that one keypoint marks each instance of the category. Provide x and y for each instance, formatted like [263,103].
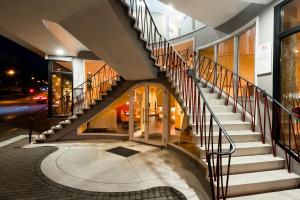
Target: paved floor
[21,178]
[94,166]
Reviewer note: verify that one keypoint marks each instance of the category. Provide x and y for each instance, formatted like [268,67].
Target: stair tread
[285,194]
[233,133]
[250,159]
[225,122]
[260,177]
[241,145]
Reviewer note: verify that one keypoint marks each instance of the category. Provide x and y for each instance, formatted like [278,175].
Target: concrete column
[78,71]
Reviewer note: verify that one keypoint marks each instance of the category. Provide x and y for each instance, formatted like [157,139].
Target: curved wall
[208,35]
[260,15]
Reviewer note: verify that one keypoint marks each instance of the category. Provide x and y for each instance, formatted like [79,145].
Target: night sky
[26,63]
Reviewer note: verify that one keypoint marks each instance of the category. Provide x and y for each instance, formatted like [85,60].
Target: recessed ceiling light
[59,52]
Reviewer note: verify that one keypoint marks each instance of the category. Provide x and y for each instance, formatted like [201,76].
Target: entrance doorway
[149,110]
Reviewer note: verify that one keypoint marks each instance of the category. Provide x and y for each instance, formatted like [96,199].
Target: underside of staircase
[255,173]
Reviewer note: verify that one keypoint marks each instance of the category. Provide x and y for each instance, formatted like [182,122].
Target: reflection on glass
[225,54]
[155,117]
[208,73]
[62,94]
[290,71]
[139,112]
[62,66]
[290,86]
[208,52]
[114,119]
[290,15]
[226,59]
[176,120]
[246,61]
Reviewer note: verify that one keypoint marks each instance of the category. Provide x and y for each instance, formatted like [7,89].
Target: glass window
[290,15]
[246,54]
[62,66]
[208,52]
[225,54]
[290,71]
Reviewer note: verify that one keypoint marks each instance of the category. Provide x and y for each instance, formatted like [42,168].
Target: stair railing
[186,82]
[276,123]
[83,96]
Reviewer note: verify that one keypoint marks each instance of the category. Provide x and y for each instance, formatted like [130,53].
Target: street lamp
[10,72]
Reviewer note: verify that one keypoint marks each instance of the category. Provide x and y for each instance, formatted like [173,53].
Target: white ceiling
[212,12]
[22,21]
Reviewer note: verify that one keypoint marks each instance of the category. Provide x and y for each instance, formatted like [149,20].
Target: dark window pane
[290,15]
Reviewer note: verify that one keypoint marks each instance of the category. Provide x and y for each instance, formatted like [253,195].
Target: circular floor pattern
[21,178]
[89,166]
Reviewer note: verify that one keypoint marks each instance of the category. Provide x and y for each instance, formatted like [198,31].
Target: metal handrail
[289,138]
[236,74]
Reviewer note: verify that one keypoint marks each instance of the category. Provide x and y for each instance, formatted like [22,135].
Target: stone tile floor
[21,178]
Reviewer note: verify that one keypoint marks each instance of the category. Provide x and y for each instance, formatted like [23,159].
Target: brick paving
[21,178]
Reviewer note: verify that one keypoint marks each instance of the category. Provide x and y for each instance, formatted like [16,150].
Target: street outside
[11,109]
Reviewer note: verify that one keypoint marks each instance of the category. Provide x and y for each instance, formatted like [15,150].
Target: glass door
[139,113]
[147,120]
[62,94]
[155,113]
[60,88]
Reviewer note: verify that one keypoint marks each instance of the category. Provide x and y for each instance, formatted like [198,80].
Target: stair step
[56,127]
[220,108]
[235,125]
[226,116]
[254,163]
[65,122]
[236,136]
[264,181]
[72,117]
[285,194]
[242,148]
[209,96]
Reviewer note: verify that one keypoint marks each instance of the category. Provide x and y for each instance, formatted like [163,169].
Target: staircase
[226,130]
[230,123]
[104,87]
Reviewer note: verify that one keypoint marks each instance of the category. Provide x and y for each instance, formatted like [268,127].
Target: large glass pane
[225,54]
[246,54]
[290,71]
[62,94]
[246,62]
[226,59]
[62,66]
[290,89]
[156,115]
[208,52]
[139,112]
[207,69]
[114,119]
[290,15]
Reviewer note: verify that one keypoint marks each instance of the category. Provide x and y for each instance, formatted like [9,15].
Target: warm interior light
[11,72]
[127,102]
[59,52]
[32,78]
[173,109]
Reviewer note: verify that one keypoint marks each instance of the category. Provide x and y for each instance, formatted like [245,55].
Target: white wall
[265,33]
